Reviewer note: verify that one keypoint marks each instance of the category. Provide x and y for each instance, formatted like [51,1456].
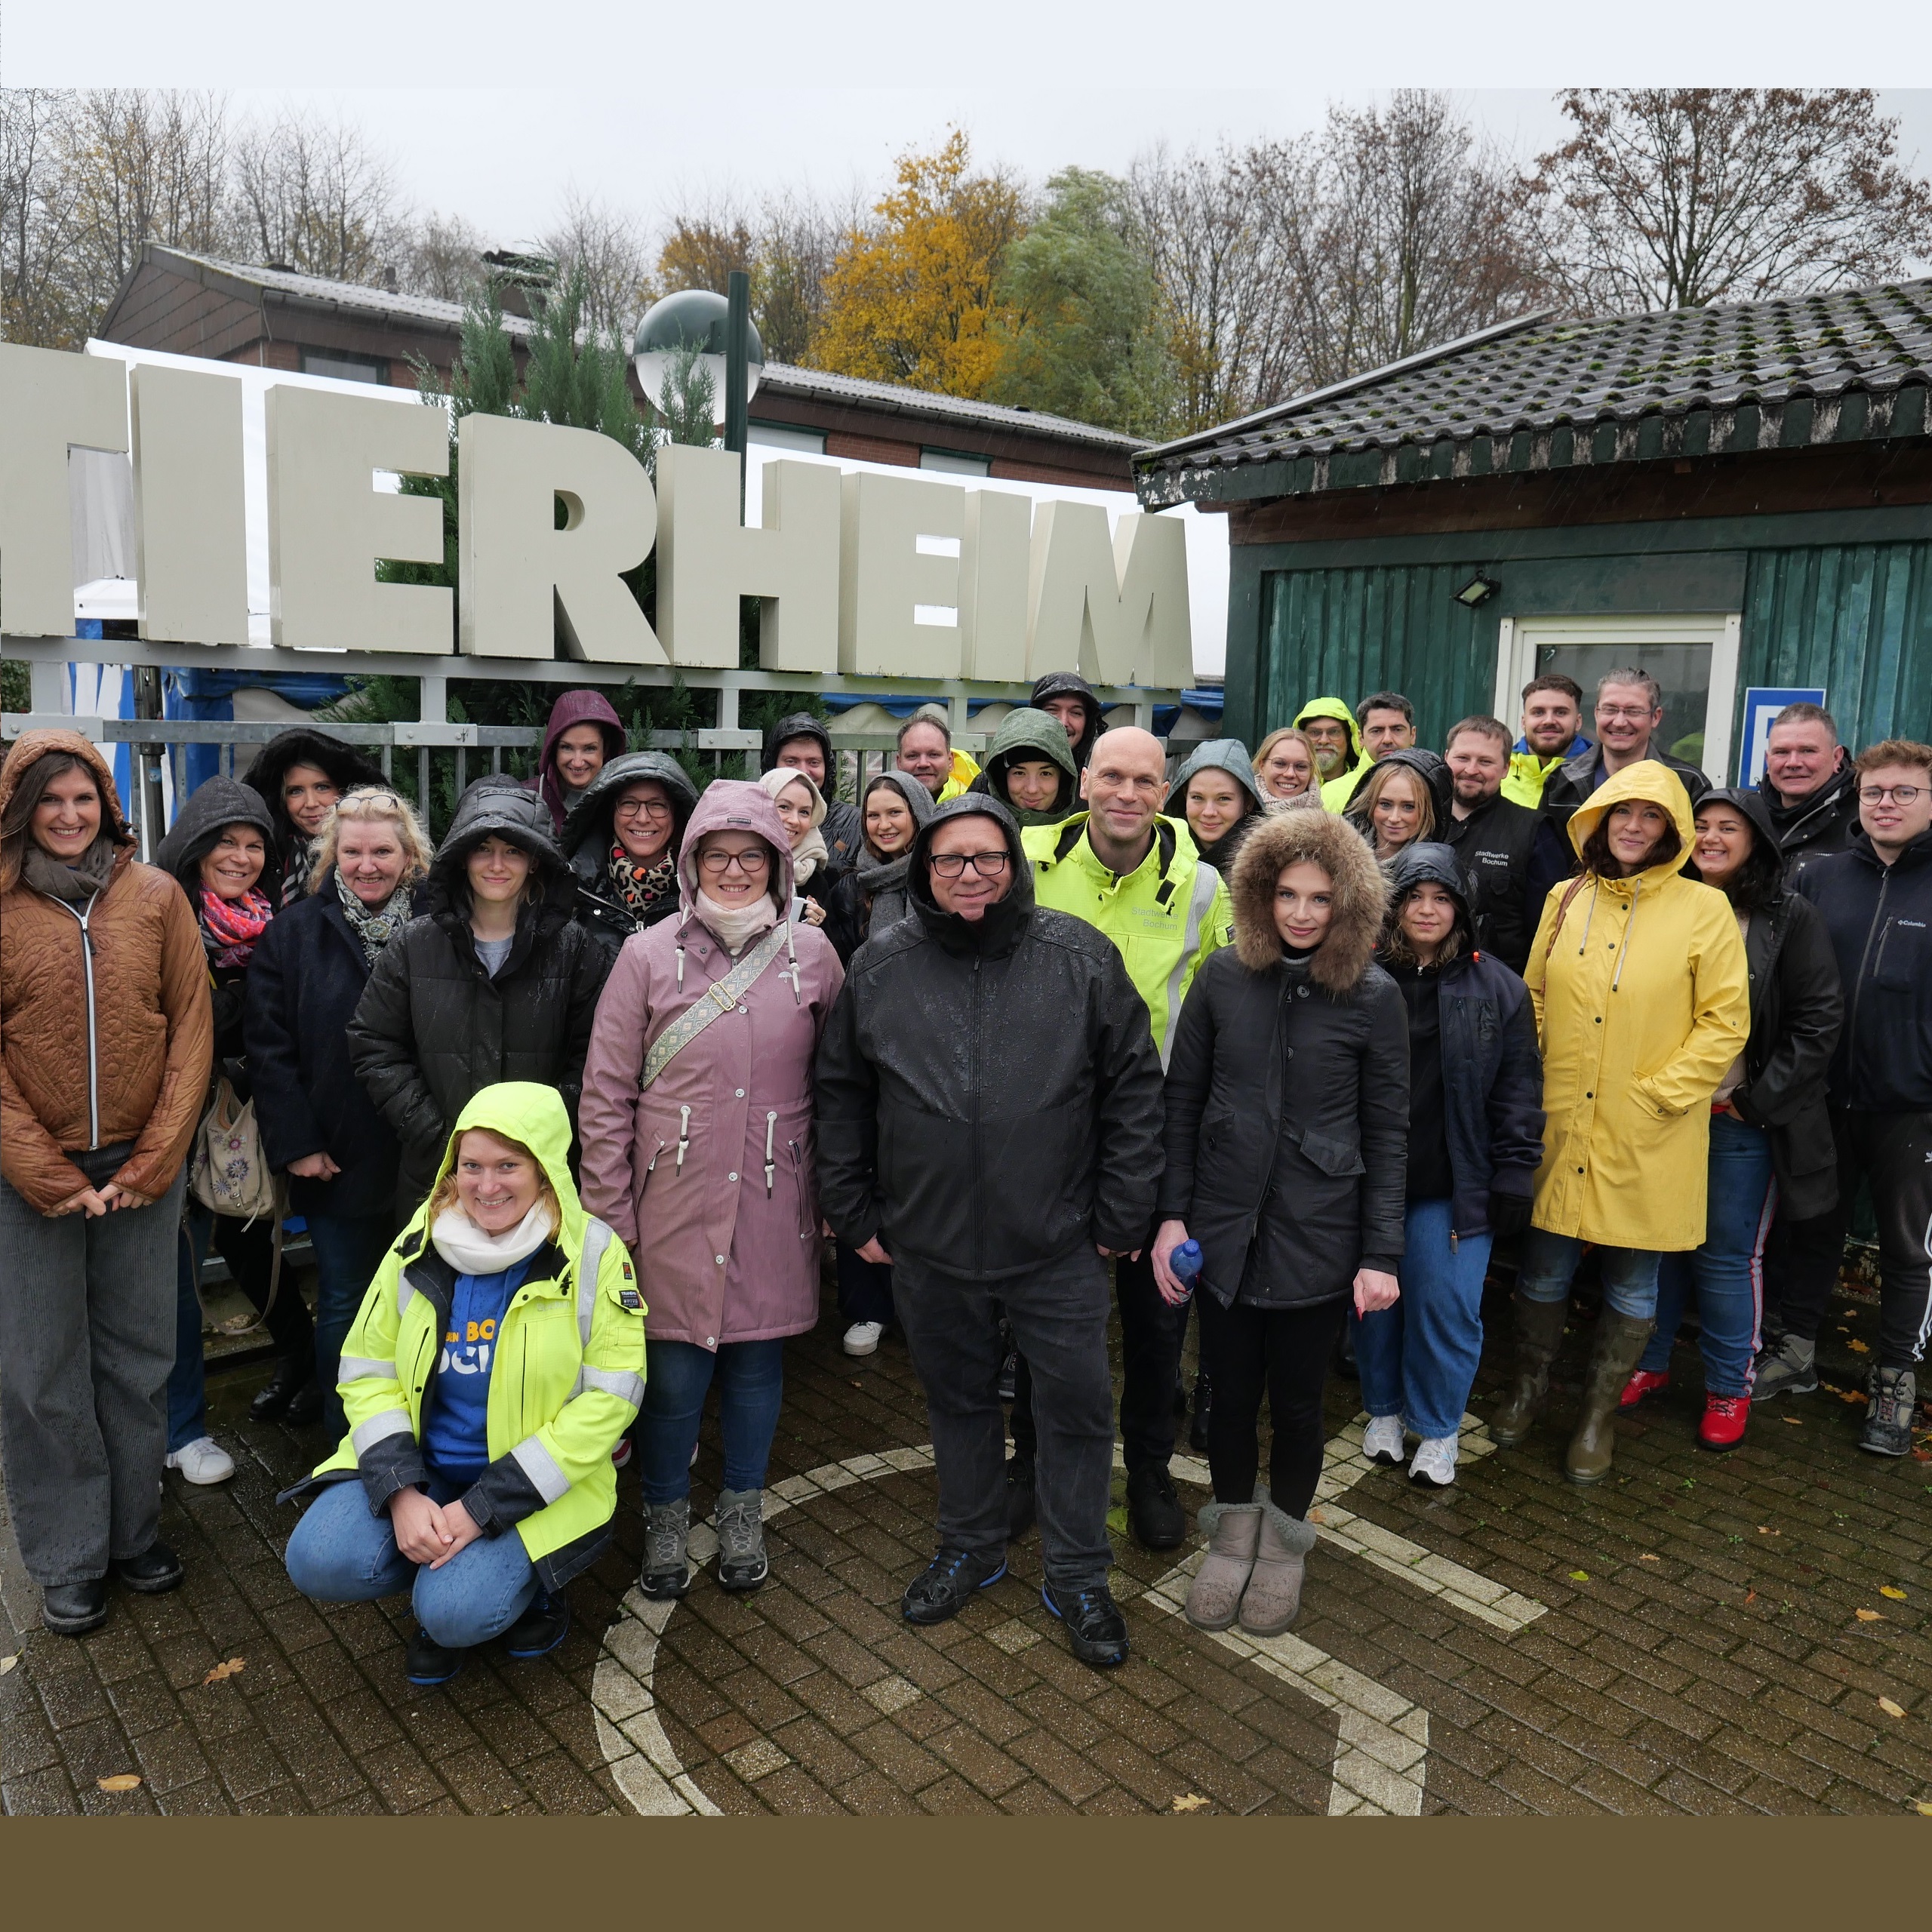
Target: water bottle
[1186,1262]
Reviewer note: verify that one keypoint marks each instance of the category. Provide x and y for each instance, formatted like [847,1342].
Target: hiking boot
[1022,1506]
[742,1562]
[1154,1513]
[1383,1440]
[1197,1427]
[540,1628]
[667,1530]
[427,1663]
[1893,1408]
[1095,1628]
[1621,1342]
[946,1585]
[1272,1600]
[1723,1425]
[1434,1465]
[1233,1531]
[1789,1368]
[1642,1386]
[1538,1334]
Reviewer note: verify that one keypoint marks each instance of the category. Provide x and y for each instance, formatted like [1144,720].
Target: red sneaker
[1644,1383]
[1725,1418]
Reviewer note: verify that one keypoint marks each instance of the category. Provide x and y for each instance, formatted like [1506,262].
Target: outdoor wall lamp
[693,318]
[1479,589]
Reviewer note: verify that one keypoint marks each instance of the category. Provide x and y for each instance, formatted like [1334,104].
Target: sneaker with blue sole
[1095,1627]
[946,1584]
[427,1663]
[539,1629]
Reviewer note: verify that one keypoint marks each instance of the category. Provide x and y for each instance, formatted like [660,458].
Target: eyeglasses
[718,864]
[1877,794]
[642,808]
[1636,713]
[952,865]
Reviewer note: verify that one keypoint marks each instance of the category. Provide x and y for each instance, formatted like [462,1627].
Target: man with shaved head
[1122,867]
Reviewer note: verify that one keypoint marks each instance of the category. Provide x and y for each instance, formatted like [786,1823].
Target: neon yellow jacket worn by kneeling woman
[568,1377]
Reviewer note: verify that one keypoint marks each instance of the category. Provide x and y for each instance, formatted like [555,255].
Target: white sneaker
[862,1338]
[1434,1461]
[1382,1441]
[203,1460]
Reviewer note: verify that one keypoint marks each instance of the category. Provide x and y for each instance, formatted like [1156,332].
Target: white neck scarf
[470,1251]
[734,927]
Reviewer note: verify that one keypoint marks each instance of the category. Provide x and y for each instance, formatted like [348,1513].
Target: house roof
[388,306]
[1546,393]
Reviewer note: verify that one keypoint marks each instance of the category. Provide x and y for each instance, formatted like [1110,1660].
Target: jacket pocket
[1905,952]
[1333,1153]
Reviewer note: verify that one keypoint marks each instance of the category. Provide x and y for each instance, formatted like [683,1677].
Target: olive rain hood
[1336,791]
[1029,736]
[568,1374]
[1642,1002]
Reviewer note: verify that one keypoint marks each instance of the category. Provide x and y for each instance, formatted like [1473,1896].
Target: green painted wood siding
[1344,633]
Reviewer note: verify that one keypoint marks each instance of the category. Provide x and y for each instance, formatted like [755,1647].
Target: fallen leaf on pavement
[7,1664]
[1923,1809]
[1859,1348]
[1316,1516]
[1579,1575]
[121,1781]
[1892,1590]
[1869,1615]
[1852,1395]
[1649,1556]
[1750,1596]
[1765,1530]
[1890,1709]
[1190,1801]
[1922,1455]
[233,1667]
[1795,1421]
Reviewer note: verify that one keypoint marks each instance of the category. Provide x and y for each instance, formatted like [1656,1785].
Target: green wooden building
[1733,498]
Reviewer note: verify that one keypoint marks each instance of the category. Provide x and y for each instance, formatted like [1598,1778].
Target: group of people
[1293,1038]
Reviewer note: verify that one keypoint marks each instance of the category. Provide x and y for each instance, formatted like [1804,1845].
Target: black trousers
[865,1287]
[1151,1334]
[1893,1152]
[1284,1353]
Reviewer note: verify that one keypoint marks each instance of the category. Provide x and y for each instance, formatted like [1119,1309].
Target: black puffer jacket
[844,829]
[433,1028]
[988,1095]
[587,837]
[1816,827]
[1288,1094]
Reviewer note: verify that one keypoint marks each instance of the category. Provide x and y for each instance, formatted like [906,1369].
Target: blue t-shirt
[456,1421]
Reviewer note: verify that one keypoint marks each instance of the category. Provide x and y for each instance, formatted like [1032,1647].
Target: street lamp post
[737,390]
[719,327]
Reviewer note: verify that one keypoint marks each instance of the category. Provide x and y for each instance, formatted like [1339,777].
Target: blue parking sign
[1761,706]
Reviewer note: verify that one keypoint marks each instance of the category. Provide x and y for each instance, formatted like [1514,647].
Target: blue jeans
[1418,1359]
[349,1249]
[341,1554]
[1728,1270]
[1546,1263]
[187,1380]
[751,1384]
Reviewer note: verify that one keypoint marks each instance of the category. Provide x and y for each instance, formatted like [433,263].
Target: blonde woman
[1285,768]
[319,1127]
[1401,802]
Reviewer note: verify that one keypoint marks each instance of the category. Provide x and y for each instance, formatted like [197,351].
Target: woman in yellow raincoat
[1642,1001]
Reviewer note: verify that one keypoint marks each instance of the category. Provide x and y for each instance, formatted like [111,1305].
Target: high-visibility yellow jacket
[1339,789]
[965,769]
[566,1380]
[1167,915]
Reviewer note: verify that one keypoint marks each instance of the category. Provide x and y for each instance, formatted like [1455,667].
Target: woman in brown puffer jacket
[105,1042]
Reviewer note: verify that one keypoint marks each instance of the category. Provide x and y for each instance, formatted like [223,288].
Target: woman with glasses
[621,837]
[697,1149]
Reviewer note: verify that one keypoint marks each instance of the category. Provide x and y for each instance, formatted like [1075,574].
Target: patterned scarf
[231,927]
[641,888]
[375,926]
[295,874]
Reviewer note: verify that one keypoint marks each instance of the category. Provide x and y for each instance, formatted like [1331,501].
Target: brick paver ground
[1688,1637]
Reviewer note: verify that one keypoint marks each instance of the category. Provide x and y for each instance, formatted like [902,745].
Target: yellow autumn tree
[913,299]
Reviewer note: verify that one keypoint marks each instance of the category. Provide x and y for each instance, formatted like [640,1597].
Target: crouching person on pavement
[1287,1103]
[990,1122]
[482,1493]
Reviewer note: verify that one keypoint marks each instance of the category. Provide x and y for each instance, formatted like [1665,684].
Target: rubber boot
[1538,1328]
[1619,1345]
[1272,1599]
[1234,1531]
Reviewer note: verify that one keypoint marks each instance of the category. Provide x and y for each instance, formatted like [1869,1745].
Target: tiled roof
[1544,392]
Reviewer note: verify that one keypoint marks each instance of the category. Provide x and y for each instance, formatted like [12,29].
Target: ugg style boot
[667,1531]
[1539,1330]
[1272,1599]
[1233,1531]
[1621,1342]
[742,1562]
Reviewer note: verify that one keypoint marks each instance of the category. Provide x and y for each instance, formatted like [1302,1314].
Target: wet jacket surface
[433,1028]
[1287,1096]
[989,1094]
[105,1034]
[1642,1002]
[1493,844]
[589,836]
[1816,827]
[1879,918]
[709,1171]
[567,1380]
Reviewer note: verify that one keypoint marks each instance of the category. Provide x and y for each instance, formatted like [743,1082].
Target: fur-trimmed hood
[1362,895]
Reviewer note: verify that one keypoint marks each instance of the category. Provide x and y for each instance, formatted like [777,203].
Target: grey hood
[211,805]
[1228,754]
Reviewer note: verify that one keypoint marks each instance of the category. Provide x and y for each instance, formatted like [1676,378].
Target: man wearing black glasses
[1876,897]
[989,1124]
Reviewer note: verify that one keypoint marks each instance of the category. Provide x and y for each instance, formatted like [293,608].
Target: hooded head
[1438,781]
[219,803]
[572,709]
[1652,784]
[1427,863]
[997,927]
[1361,896]
[1332,707]
[736,804]
[342,765]
[534,1117]
[916,796]
[1228,754]
[518,818]
[1761,878]
[588,826]
[1070,684]
[28,749]
[796,724]
[1027,736]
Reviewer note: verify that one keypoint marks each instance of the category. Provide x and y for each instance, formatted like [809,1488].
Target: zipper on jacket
[93,1045]
[1864,961]
[770,1163]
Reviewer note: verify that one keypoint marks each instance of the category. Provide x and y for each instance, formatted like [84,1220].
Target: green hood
[524,1110]
[1027,735]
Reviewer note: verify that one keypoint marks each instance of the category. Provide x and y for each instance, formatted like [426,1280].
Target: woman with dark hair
[584,734]
[497,981]
[299,775]
[1771,1147]
[1641,997]
[1030,768]
[1293,1186]
[892,807]
[103,1062]
[1216,791]
[1404,799]
[217,850]
[622,837]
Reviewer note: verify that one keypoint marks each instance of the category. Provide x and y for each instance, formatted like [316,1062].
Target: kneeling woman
[1293,1186]
[483,1493]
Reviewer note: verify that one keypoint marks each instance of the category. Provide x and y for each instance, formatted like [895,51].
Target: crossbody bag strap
[1576,885]
[718,1000]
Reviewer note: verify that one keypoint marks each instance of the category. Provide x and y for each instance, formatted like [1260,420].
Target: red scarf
[231,927]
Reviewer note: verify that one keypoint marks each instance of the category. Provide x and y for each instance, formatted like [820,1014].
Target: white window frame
[1518,639]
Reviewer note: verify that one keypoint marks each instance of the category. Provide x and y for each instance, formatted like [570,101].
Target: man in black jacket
[1876,898]
[989,1123]
[1492,838]
[1810,786]
[801,742]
